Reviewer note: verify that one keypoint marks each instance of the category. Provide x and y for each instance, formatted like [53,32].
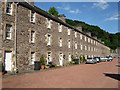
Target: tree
[53,11]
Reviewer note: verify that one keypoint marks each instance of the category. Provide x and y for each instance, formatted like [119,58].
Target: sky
[103,14]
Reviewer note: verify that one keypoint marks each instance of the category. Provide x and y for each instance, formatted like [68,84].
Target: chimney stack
[62,17]
[79,28]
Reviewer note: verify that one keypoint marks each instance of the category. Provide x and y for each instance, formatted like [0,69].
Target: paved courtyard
[101,75]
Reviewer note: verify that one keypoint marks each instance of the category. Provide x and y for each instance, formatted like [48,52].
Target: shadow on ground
[114,76]
[118,65]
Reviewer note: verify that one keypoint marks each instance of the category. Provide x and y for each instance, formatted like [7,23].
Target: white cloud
[115,17]
[68,8]
[102,4]
[76,11]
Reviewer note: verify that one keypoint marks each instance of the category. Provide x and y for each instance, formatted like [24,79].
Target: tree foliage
[110,40]
[53,11]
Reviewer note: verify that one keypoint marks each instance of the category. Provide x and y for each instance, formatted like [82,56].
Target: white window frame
[11,8]
[32,16]
[69,44]
[48,40]
[81,47]
[75,34]
[60,42]
[59,27]
[49,23]
[85,38]
[49,59]
[32,57]
[85,47]
[32,36]
[9,30]
[80,36]
[69,57]
[75,45]
[68,31]
[88,39]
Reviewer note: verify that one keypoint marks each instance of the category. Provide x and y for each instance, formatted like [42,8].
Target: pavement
[101,75]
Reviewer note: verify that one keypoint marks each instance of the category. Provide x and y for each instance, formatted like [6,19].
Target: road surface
[101,75]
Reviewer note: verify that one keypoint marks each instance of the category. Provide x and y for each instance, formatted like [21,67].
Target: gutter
[15,44]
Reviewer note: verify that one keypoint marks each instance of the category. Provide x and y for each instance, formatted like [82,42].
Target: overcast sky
[103,14]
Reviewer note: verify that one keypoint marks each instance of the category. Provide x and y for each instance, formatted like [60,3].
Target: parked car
[116,56]
[98,59]
[102,59]
[91,60]
[109,58]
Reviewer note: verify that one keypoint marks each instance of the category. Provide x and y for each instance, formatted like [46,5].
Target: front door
[8,61]
[61,59]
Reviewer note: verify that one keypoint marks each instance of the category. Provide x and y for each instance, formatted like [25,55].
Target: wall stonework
[24,47]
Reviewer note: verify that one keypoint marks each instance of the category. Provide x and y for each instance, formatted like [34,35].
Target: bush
[2,68]
[42,60]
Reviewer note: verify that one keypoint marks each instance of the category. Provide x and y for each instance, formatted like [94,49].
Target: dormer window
[32,18]
[9,8]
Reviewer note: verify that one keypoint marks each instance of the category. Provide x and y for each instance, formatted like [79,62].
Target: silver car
[102,59]
[91,60]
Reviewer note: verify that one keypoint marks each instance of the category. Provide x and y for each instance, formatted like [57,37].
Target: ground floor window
[32,57]
[69,57]
[49,57]
[61,58]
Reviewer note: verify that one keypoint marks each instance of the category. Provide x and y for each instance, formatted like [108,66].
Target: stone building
[27,32]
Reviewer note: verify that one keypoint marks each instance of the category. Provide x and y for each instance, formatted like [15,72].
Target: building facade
[27,32]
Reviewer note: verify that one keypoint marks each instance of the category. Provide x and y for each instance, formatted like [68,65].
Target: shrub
[42,60]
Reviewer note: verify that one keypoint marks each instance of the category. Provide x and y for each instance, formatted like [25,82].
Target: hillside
[110,40]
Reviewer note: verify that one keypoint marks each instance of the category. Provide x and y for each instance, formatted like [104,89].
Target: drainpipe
[15,44]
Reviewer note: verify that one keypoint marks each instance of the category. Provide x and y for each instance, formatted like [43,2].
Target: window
[88,39]
[9,8]
[69,57]
[68,43]
[75,45]
[81,47]
[32,36]
[49,23]
[32,18]
[48,57]
[32,57]
[60,42]
[85,38]
[91,40]
[89,48]
[68,31]
[60,28]
[85,47]
[75,34]
[8,31]
[49,40]
[80,36]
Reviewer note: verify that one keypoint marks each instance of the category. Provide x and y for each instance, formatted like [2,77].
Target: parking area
[100,75]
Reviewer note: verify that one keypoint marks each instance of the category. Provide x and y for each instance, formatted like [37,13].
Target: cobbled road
[101,75]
